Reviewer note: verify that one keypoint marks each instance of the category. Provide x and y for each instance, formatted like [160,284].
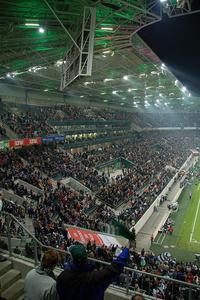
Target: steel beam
[61,23]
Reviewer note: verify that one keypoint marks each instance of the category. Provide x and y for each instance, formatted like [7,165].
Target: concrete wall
[30,187]
[12,197]
[75,185]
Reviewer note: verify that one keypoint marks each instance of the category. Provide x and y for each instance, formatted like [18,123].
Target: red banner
[25,142]
[84,236]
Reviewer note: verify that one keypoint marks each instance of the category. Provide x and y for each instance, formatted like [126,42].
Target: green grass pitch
[185,240]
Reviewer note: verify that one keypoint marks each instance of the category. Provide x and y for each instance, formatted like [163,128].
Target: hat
[78,252]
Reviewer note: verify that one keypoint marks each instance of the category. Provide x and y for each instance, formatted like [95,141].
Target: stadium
[99,150]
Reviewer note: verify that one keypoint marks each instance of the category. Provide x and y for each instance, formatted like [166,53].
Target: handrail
[189,285]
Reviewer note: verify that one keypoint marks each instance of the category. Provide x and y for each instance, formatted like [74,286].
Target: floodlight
[32,24]
[41,30]
[125,77]
[107,28]
[106,51]
[183,89]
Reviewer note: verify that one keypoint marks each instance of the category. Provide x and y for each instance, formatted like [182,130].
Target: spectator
[17,250]
[138,297]
[40,283]
[80,281]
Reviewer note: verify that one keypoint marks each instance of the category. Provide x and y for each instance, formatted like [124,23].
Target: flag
[121,229]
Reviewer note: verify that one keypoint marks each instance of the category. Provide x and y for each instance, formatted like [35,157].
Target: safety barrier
[30,187]
[179,289]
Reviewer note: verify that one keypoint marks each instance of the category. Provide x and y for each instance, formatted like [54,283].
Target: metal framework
[23,47]
[78,61]
[175,8]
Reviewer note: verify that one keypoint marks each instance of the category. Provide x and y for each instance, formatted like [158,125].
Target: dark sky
[177,42]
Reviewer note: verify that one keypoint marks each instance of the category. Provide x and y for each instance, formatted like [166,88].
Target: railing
[119,162]
[89,122]
[176,288]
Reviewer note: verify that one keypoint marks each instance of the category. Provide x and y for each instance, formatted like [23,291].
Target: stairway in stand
[11,283]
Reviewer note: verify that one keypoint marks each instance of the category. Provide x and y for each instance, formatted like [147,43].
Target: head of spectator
[78,254]
[49,260]
[137,297]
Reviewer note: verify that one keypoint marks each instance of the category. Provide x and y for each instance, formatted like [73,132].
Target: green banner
[3,145]
[121,229]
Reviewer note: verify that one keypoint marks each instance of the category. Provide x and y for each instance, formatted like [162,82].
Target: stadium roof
[35,35]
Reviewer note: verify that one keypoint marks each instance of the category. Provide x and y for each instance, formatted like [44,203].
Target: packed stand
[3,135]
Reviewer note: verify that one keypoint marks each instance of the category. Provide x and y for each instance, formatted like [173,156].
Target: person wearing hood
[40,283]
[81,281]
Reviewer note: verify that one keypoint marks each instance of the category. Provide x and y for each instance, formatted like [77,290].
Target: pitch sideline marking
[194,223]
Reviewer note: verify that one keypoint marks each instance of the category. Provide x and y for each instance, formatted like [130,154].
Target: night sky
[177,42]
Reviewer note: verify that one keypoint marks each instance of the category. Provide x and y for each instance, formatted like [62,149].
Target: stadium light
[32,24]
[108,79]
[125,77]
[106,51]
[107,28]
[183,89]
[41,30]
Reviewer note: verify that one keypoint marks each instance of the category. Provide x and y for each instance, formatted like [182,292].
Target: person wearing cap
[80,280]
[40,283]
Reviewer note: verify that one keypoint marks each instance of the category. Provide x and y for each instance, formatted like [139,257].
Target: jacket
[76,283]
[39,285]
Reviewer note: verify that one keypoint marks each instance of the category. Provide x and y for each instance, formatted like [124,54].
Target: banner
[121,229]
[25,142]
[53,138]
[3,144]
[84,236]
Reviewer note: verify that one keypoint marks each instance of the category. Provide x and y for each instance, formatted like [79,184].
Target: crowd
[33,121]
[2,133]
[167,119]
[29,123]
[58,205]
[159,265]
